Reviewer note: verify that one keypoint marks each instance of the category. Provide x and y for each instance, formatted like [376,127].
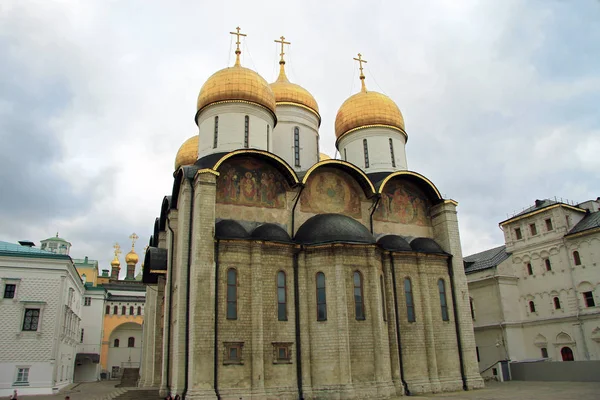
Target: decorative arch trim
[357,173]
[432,191]
[280,162]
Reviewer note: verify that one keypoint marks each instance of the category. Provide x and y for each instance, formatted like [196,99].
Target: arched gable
[428,188]
[274,161]
[164,211]
[405,199]
[252,180]
[155,232]
[186,172]
[330,188]
[359,176]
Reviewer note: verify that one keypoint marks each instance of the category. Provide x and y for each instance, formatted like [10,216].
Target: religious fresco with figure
[331,191]
[403,202]
[250,182]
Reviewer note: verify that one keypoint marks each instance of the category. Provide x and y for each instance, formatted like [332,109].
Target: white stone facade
[40,360]
[87,368]
[379,151]
[289,119]
[543,301]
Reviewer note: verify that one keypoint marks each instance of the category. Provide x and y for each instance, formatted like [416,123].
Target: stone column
[158,332]
[166,347]
[258,373]
[445,231]
[391,324]
[341,307]
[428,325]
[149,323]
[202,286]
[305,289]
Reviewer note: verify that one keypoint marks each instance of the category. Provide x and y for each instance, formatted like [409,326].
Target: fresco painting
[249,182]
[403,202]
[331,191]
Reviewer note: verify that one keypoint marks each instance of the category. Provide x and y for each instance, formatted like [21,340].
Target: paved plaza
[493,391]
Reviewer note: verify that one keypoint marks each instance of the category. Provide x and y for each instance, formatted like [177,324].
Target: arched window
[366,151]
[268,136]
[383,305]
[139,310]
[130,310]
[115,310]
[576,258]
[443,302]
[345,155]
[131,342]
[529,269]
[246,131]
[531,306]
[410,304]
[232,286]
[81,339]
[392,153]
[107,310]
[321,298]
[296,146]
[359,305]
[216,134]
[567,354]
[123,310]
[472,308]
[281,297]
[548,265]
[556,303]
[116,343]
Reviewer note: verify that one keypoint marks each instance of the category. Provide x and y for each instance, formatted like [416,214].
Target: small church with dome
[276,272]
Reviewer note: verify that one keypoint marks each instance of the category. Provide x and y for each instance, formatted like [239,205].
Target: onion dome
[187,153]
[236,84]
[323,156]
[132,257]
[115,262]
[367,109]
[290,93]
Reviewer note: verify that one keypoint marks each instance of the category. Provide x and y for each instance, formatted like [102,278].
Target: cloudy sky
[501,100]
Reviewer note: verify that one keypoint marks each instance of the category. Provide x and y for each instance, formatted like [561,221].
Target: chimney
[105,273]
[26,243]
[539,203]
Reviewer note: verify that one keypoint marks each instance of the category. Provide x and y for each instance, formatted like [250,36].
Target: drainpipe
[373,211]
[456,324]
[216,343]
[297,327]
[169,311]
[294,209]
[187,294]
[395,291]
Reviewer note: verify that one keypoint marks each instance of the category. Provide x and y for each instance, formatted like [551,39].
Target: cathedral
[280,273]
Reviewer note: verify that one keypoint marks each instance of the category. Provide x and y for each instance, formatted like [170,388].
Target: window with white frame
[22,376]
[31,319]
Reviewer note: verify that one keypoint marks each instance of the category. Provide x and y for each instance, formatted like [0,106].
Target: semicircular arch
[362,179]
[421,181]
[279,163]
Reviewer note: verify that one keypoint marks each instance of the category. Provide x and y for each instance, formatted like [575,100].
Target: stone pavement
[516,390]
[519,390]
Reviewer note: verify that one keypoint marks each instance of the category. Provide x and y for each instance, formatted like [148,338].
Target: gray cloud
[95,99]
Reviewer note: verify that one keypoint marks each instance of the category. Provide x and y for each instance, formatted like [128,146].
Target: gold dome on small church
[115,262]
[132,257]
[187,153]
[367,108]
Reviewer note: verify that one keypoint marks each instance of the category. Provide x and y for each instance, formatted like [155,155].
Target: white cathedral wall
[352,150]
[231,128]
[289,117]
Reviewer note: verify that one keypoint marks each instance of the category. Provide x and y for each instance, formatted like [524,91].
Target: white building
[41,310]
[87,360]
[538,296]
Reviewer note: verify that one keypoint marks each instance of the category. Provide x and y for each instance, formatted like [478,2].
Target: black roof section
[333,228]
[590,221]
[394,243]
[426,245]
[210,160]
[271,233]
[486,259]
[230,229]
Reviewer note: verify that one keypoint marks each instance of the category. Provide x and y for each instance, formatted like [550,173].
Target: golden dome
[236,84]
[132,257]
[366,109]
[187,153]
[287,92]
[323,156]
[115,262]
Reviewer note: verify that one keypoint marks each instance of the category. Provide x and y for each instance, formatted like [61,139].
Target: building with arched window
[537,295]
[290,275]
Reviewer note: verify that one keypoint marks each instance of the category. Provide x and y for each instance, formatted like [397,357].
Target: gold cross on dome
[117,248]
[362,75]
[282,41]
[133,238]
[237,42]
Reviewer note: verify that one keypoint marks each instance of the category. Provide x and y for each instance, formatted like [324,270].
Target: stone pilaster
[429,327]
[202,286]
[391,324]
[341,312]
[166,347]
[446,234]
[257,353]
[149,323]
[305,289]
[158,332]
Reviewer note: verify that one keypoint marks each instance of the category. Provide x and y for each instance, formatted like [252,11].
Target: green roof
[16,250]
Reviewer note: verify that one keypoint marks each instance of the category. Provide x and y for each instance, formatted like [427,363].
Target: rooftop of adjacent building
[485,259]
[26,248]
[589,206]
